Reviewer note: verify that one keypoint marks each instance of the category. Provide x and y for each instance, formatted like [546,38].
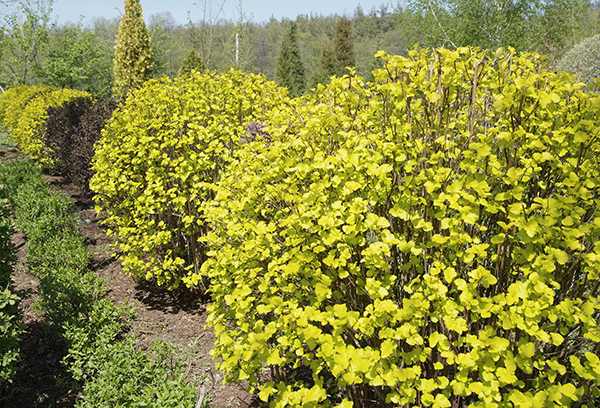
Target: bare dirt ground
[174,317]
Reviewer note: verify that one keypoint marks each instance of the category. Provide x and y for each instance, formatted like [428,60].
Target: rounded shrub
[431,239]
[159,158]
[14,100]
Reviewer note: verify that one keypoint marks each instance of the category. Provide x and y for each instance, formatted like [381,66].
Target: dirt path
[175,318]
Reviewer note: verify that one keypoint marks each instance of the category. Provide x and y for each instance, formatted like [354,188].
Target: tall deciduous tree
[526,25]
[24,37]
[133,53]
[343,43]
[166,52]
[290,69]
[76,60]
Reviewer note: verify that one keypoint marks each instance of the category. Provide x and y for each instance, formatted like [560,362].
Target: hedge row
[57,128]
[71,131]
[429,239]
[24,110]
[102,357]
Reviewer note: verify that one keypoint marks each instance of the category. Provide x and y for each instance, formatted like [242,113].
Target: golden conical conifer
[133,54]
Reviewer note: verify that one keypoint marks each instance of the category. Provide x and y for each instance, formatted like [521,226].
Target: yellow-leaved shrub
[431,239]
[12,102]
[24,110]
[159,158]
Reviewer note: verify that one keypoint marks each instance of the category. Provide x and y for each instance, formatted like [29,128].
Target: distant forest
[80,56]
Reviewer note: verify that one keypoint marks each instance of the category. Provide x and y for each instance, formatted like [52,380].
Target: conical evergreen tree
[328,66]
[191,61]
[290,69]
[344,46]
[133,54]
[336,57]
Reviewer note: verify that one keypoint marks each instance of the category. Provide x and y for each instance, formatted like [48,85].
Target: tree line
[299,53]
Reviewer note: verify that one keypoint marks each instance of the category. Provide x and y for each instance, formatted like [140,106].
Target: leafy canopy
[430,239]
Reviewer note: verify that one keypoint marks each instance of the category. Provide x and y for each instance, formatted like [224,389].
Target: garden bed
[173,317]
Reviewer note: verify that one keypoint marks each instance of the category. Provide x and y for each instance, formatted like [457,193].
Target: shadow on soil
[41,380]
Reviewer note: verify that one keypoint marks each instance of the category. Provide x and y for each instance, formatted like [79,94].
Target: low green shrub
[61,250]
[15,174]
[431,239]
[11,329]
[11,326]
[111,369]
[67,293]
[41,213]
[159,159]
[131,377]
[89,336]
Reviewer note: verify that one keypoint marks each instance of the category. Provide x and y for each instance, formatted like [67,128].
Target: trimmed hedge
[14,100]
[71,131]
[431,239]
[111,369]
[159,159]
[24,110]
[11,326]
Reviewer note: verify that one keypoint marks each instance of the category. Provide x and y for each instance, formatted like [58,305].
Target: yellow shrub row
[24,110]
[430,239]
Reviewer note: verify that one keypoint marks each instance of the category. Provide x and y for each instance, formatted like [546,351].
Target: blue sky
[258,10]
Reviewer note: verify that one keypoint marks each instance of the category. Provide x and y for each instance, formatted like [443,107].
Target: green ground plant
[11,327]
[431,240]
[158,161]
[102,358]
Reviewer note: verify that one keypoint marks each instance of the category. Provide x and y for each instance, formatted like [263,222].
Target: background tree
[328,66]
[336,56]
[241,55]
[191,61]
[583,60]
[24,36]
[76,61]
[133,54]
[343,44]
[542,26]
[166,51]
[290,69]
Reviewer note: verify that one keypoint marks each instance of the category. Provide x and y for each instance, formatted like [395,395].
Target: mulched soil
[175,317]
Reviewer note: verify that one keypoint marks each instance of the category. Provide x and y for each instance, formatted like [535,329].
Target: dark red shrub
[71,131]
